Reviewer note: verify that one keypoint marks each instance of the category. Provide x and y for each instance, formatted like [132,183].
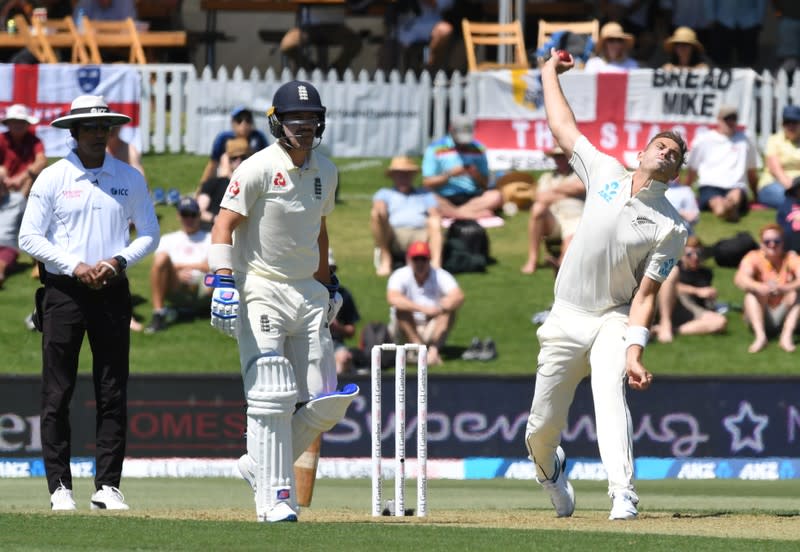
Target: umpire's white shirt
[619,238]
[79,215]
[283,205]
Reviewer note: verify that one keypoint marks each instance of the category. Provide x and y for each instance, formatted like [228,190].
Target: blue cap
[791,113]
[236,111]
[188,205]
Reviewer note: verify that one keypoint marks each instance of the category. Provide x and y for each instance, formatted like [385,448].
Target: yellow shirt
[788,153]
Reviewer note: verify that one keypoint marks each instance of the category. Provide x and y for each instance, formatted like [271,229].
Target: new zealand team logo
[609,191]
[279,181]
[88,78]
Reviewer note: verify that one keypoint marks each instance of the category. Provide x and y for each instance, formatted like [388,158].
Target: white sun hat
[19,112]
[88,108]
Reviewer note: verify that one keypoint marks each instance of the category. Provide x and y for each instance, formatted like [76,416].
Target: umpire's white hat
[87,108]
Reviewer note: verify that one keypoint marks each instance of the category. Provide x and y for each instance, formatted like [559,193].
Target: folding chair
[113,34]
[494,34]
[58,33]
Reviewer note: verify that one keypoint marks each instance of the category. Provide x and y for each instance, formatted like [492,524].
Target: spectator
[124,151]
[636,17]
[344,325]
[770,276]
[613,51]
[21,151]
[787,48]
[788,216]
[76,224]
[12,206]
[695,14]
[455,167]
[737,26]
[414,22]
[557,210]
[683,199]
[684,51]
[404,214]
[321,26]
[723,160]
[423,301]
[242,124]
[106,10]
[213,190]
[781,160]
[179,265]
[687,300]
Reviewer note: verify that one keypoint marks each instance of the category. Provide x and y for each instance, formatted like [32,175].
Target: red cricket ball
[563,55]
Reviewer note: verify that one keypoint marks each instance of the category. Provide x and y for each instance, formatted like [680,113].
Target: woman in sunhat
[684,51]
[613,51]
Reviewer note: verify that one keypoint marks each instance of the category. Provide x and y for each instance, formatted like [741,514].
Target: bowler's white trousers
[575,344]
[288,318]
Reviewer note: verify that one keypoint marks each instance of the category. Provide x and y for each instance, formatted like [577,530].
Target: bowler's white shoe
[560,490]
[623,505]
[247,469]
[280,512]
[108,498]
[62,499]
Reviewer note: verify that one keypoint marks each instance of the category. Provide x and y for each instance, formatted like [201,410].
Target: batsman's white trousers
[288,318]
[575,344]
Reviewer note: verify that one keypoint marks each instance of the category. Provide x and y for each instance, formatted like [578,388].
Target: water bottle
[11,26]
[79,19]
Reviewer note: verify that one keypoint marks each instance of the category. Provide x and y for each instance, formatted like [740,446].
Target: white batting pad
[320,415]
[271,393]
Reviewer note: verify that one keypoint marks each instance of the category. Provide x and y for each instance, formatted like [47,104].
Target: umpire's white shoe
[247,469]
[108,498]
[280,512]
[623,505]
[61,499]
[560,490]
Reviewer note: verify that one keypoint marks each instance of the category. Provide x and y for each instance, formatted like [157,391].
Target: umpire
[76,225]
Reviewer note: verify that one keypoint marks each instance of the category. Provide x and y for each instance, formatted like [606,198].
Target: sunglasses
[691,253]
[245,119]
[772,242]
[189,214]
[104,127]
[239,158]
[730,118]
[419,259]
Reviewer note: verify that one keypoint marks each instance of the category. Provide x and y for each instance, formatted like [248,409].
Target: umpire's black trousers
[71,309]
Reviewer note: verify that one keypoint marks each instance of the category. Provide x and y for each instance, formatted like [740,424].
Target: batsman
[275,294]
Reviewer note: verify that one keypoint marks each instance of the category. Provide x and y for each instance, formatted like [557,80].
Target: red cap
[419,249]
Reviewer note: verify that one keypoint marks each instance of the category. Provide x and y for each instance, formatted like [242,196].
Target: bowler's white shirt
[73,216]
[438,284]
[284,206]
[721,161]
[619,239]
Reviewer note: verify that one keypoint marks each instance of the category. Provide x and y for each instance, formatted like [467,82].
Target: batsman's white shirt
[619,238]
[283,205]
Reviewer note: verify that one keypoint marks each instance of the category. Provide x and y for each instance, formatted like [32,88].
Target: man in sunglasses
[770,277]
[179,266]
[76,225]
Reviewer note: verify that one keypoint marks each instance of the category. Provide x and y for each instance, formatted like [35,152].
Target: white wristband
[636,335]
[220,255]
[110,266]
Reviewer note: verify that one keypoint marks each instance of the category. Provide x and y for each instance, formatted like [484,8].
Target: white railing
[172,96]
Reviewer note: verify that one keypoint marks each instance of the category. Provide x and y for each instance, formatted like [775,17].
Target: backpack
[730,251]
[376,333]
[466,247]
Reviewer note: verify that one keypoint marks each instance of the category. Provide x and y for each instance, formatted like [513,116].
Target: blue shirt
[442,156]
[744,14]
[406,210]
[257,140]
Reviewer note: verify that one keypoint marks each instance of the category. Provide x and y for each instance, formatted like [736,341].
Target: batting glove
[336,300]
[224,303]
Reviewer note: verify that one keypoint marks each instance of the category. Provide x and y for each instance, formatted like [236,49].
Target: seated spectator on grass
[687,300]
[684,51]
[424,301]
[781,159]
[770,276]
[213,190]
[683,199]
[613,51]
[241,127]
[21,151]
[456,168]
[344,325]
[723,161]
[404,214]
[179,266]
[556,211]
[12,207]
[788,216]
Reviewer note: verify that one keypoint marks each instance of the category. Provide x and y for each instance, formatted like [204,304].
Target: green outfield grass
[217,514]
[499,303]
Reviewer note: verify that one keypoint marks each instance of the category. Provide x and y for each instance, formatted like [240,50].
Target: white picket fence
[170,121]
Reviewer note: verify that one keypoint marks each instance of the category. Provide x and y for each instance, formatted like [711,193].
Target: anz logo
[119,191]
[610,191]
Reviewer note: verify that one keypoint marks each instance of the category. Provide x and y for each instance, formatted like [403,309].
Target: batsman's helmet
[293,97]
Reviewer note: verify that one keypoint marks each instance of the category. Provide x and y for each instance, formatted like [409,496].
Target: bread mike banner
[48,90]
[618,112]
